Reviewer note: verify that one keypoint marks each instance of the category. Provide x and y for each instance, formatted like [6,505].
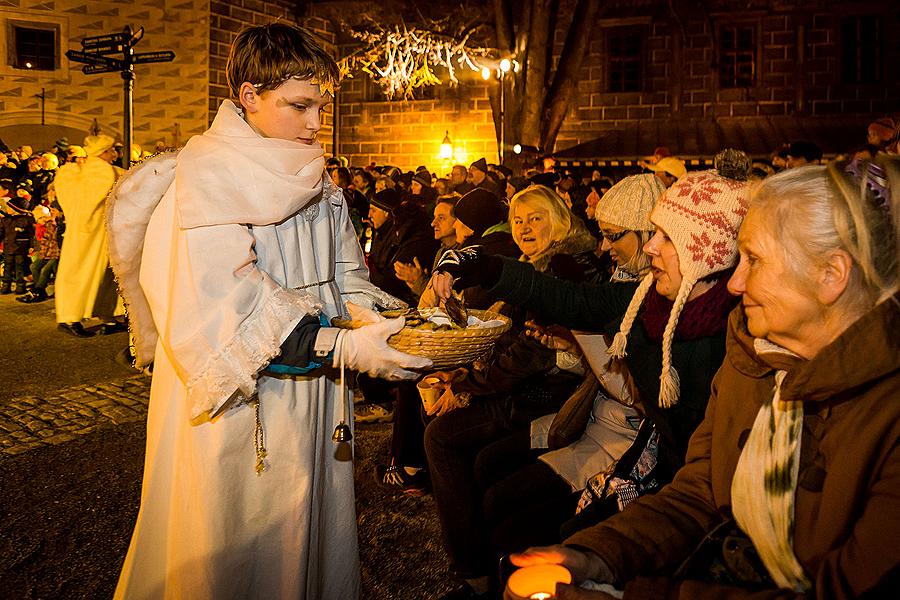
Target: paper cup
[429,392]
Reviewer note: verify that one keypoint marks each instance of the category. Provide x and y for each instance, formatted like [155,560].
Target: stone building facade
[170,99]
[688,74]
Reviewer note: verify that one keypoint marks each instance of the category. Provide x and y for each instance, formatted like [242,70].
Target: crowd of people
[696,398]
[53,197]
[653,317]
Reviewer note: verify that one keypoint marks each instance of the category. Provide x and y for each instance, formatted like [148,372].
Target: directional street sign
[94,59]
[105,49]
[97,56]
[95,69]
[89,43]
[152,57]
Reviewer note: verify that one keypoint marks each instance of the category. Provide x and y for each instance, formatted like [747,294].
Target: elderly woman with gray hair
[792,481]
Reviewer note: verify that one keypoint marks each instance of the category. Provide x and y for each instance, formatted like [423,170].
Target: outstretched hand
[365,349]
[554,337]
[460,269]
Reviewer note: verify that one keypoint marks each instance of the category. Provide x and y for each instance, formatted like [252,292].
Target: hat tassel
[620,341]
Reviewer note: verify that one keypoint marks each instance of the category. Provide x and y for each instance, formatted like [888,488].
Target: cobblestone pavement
[30,422]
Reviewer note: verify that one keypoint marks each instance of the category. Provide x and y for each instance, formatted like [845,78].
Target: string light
[403,60]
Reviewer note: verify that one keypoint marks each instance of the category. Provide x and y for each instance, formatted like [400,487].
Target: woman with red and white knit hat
[694,246]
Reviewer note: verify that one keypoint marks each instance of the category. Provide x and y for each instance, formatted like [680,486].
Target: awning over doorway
[698,141]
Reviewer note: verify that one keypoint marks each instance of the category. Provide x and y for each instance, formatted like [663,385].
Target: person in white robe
[245,495]
[84,286]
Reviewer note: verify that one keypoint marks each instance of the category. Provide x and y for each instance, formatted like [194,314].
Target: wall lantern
[446,147]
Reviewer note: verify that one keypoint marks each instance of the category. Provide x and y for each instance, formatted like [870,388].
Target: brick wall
[227,17]
[680,82]
[409,133]
[165,94]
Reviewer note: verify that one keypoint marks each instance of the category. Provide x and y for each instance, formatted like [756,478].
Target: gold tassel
[259,442]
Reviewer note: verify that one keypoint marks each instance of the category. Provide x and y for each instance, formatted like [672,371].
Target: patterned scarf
[765,481]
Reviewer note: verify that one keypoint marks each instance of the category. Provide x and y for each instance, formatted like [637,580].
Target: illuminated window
[35,48]
[861,50]
[737,56]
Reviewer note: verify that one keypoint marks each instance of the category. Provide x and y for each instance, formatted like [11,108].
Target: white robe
[81,190]
[223,296]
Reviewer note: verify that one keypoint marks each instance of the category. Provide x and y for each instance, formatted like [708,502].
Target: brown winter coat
[847,509]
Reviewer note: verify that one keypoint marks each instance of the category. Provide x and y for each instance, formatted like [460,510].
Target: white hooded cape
[245,241]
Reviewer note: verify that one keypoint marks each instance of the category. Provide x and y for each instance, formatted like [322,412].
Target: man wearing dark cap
[402,232]
[421,191]
[480,177]
[478,172]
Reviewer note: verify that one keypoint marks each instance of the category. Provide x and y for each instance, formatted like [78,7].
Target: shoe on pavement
[36,295]
[113,327]
[76,329]
[6,288]
[396,478]
[373,413]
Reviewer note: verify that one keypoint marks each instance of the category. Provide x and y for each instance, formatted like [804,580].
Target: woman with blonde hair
[522,381]
[791,480]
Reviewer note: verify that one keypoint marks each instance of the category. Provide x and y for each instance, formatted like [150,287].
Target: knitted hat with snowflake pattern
[701,213]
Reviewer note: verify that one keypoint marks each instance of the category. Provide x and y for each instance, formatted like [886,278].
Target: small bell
[341,433]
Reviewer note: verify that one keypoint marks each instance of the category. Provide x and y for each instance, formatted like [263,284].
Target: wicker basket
[449,348]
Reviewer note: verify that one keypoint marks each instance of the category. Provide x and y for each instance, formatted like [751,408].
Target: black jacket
[406,235]
[600,307]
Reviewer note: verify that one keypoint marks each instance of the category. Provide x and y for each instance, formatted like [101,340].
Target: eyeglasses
[614,237]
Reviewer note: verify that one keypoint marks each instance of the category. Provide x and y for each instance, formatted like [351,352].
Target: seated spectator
[672,323]
[459,180]
[790,487]
[527,506]
[521,382]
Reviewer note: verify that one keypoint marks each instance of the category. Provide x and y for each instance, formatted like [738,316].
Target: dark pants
[527,507]
[41,270]
[452,443]
[408,436]
[14,268]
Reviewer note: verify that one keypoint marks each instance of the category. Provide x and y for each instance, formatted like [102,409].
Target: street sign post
[95,59]
[95,69]
[95,56]
[153,57]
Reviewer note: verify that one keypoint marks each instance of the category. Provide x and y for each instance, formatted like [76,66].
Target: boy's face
[292,111]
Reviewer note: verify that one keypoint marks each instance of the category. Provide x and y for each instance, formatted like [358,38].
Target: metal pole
[128,86]
[43,102]
[502,116]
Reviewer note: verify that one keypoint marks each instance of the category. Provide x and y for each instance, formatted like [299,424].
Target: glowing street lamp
[517,148]
[446,152]
[485,73]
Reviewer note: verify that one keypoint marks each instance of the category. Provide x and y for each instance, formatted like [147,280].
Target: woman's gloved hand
[366,349]
[464,268]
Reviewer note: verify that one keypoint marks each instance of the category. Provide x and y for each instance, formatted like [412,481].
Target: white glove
[366,350]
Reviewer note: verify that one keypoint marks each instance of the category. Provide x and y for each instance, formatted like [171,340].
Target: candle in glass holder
[537,582]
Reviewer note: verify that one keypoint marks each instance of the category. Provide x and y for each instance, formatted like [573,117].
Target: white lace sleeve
[235,366]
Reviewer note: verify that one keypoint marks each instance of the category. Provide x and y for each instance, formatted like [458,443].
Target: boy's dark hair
[268,55]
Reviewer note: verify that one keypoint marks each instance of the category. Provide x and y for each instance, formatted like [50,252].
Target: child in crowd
[230,277]
[18,229]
